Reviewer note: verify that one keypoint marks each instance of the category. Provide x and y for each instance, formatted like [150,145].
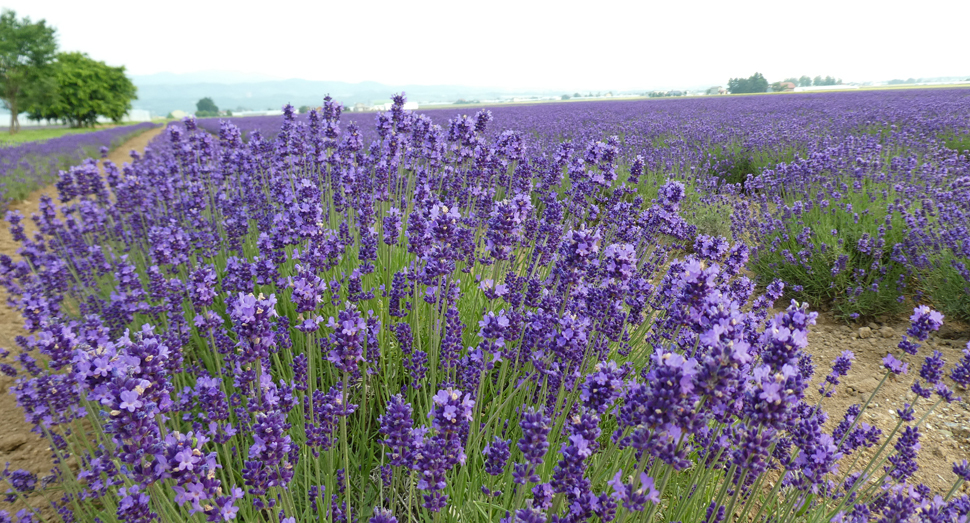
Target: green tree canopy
[85,89]
[206,107]
[26,51]
[755,83]
[804,81]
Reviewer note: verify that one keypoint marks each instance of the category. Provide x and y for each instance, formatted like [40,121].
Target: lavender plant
[284,329]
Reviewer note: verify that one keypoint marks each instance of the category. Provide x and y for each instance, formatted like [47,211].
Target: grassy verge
[39,135]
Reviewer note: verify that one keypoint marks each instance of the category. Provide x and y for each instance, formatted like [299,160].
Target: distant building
[717,89]
[138,115]
[788,86]
[178,114]
[825,88]
[268,112]
[386,106]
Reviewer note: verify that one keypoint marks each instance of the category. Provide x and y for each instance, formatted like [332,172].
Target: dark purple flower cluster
[840,367]
[923,321]
[533,444]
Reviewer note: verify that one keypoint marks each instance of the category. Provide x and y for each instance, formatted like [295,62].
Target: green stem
[345,444]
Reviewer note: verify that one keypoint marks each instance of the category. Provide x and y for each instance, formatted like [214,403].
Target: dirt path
[18,446]
[944,436]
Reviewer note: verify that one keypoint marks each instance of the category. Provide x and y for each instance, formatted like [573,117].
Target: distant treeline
[757,83]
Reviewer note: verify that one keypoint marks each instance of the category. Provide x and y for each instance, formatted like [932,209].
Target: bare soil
[944,435]
[19,447]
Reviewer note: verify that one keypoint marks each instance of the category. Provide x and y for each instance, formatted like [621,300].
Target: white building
[824,88]
[138,115]
[270,112]
[386,106]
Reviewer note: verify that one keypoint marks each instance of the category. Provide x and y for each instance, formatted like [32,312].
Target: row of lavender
[442,326]
[858,200]
[28,166]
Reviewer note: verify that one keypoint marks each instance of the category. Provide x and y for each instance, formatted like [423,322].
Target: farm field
[711,309]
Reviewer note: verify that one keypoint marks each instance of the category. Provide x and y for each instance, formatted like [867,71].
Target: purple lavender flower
[962,470]
[452,410]
[396,426]
[671,194]
[620,261]
[347,340]
[382,516]
[840,367]
[134,505]
[392,226]
[602,387]
[923,321]
[252,317]
[961,371]
[533,444]
[636,170]
[907,413]
[904,461]
[894,365]
[634,499]
[497,454]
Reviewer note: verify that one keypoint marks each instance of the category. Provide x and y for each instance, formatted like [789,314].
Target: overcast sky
[520,44]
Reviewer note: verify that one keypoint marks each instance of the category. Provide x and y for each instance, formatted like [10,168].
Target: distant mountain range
[201,77]
[162,93]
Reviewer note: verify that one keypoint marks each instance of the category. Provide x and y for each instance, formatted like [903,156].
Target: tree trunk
[14,123]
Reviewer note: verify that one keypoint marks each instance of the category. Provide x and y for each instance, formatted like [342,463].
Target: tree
[82,89]
[792,80]
[304,109]
[804,81]
[26,51]
[206,107]
[577,95]
[755,83]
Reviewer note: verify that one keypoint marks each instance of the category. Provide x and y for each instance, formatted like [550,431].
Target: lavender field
[593,311]
[27,166]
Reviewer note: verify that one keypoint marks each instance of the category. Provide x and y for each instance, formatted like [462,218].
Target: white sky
[521,44]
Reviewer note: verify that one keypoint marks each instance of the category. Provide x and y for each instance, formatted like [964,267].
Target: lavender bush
[27,166]
[443,324]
